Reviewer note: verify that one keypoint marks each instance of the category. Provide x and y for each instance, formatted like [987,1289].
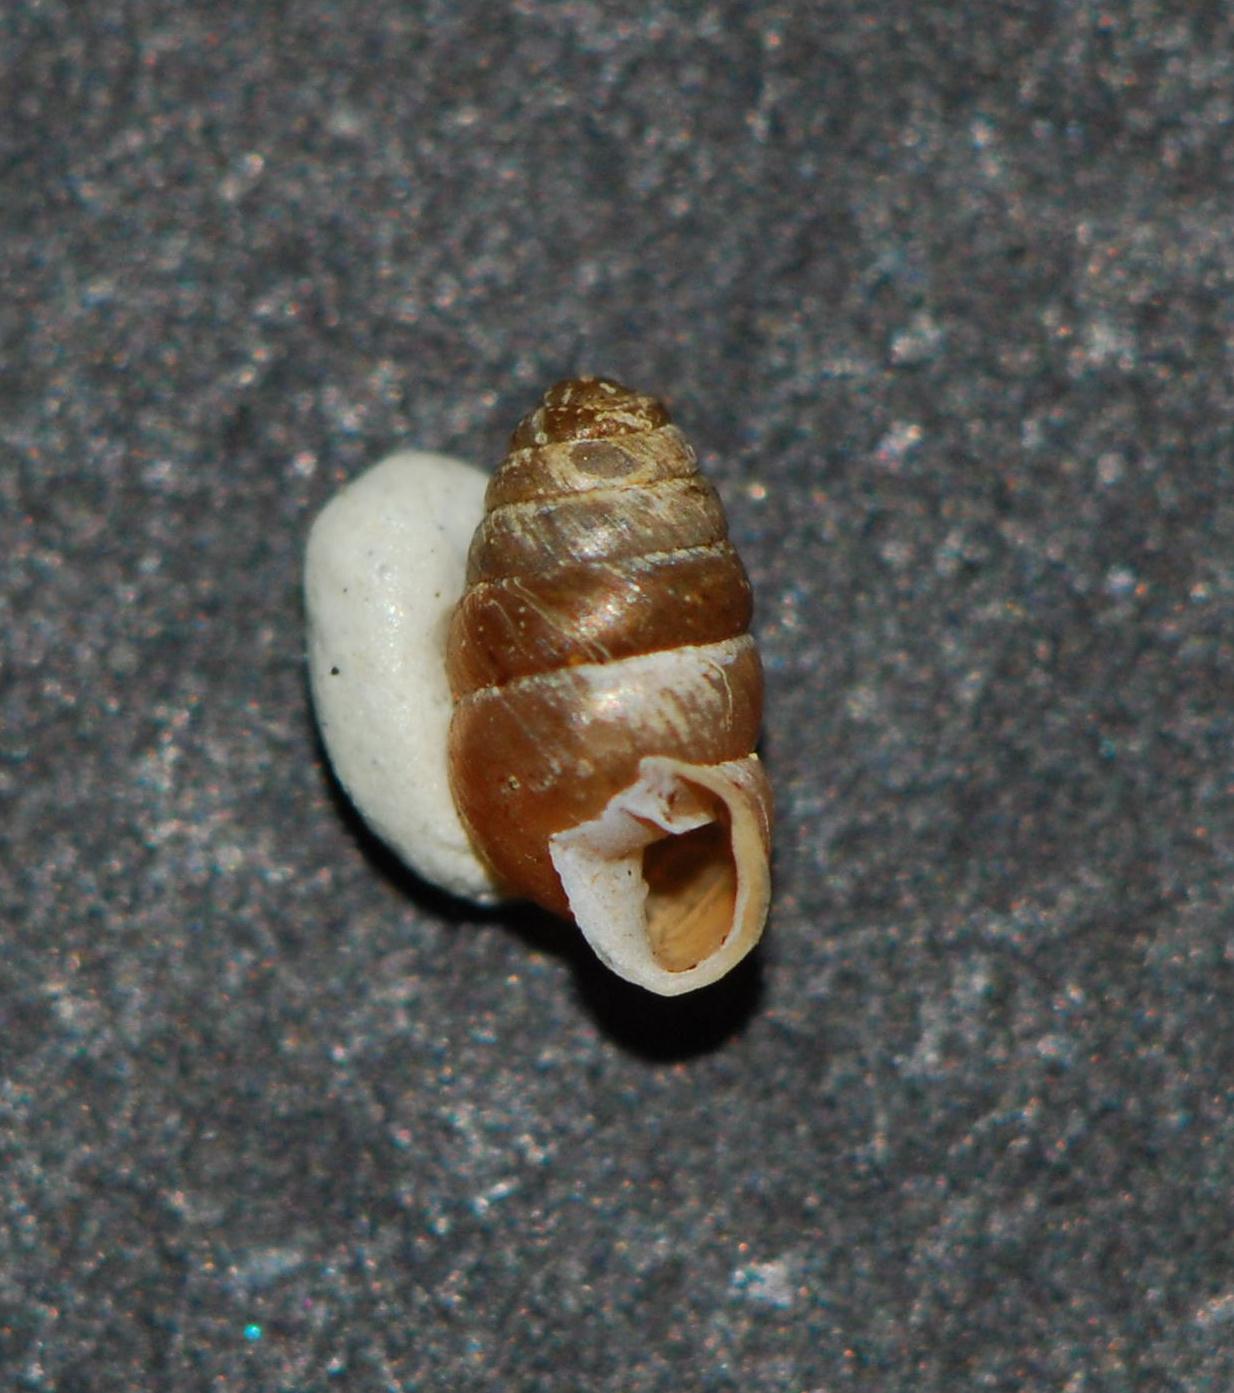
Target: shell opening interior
[691,890]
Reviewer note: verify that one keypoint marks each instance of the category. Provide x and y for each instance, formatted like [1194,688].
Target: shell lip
[686,920]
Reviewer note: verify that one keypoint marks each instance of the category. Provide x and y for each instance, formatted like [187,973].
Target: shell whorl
[604,621]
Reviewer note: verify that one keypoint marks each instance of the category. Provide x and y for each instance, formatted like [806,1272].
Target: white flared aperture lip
[670,883]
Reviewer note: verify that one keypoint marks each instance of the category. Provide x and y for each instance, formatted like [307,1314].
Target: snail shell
[608,695]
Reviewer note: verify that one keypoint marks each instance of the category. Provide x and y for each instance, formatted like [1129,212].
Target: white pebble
[384,568]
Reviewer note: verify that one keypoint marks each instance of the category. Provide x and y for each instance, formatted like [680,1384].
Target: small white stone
[384,568]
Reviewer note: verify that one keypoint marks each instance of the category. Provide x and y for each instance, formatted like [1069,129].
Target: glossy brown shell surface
[605,618]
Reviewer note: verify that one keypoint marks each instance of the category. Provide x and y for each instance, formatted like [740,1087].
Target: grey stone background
[942,293]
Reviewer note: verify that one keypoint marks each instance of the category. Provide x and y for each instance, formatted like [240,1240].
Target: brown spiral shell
[604,620]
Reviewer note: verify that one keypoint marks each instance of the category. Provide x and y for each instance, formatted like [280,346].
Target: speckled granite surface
[943,295]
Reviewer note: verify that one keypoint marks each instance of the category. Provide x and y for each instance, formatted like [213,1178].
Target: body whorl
[604,625]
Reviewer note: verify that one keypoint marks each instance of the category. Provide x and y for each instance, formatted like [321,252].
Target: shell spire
[608,694]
